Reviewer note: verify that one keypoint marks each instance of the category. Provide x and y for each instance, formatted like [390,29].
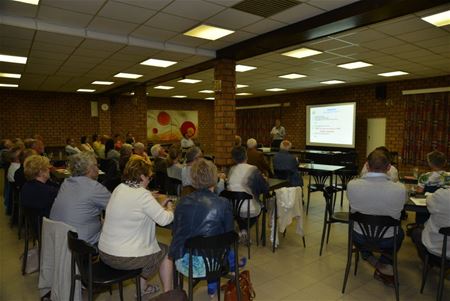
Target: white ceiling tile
[424,34]
[434,10]
[150,4]
[15,43]
[125,12]
[215,45]
[11,68]
[400,49]
[361,36]
[16,32]
[330,4]
[232,19]
[297,13]
[238,36]
[383,43]
[111,26]
[59,39]
[89,7]
[443,50]
[226,3]
[171,22]
[92,52]
[19,9]
[153,34]
[187,41]
[41,68]
[405,26]
[63,17]
[416,53]
[43,46]
[264,26]
[193,9]
[328,44]
[84,60]
[100,45]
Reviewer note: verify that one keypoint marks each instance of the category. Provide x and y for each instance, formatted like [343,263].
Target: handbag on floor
[246,287]
[173,295]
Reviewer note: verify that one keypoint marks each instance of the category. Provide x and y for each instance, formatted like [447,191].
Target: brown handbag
[247,291]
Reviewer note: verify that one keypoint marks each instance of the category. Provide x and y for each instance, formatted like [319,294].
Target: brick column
[225,112]
[139,104]
[104,117]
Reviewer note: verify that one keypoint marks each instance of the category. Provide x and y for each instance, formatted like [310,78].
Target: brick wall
[294,117]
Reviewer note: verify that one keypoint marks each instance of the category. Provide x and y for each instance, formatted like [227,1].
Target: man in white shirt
[376,194]
[277,133]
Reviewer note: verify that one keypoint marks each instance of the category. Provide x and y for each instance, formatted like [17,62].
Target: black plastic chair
[15,197]
[237,199]
[373,228]
[442,262]
[331,217]
[160,180]
[344,175]
[214,250]
[33,224]
[320,180]
[173,186]
[98,273]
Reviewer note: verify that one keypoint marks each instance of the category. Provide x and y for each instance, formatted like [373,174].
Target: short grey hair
[126,149]
[79,164]
[252,143]
[204,174]
[285,145]
[139,146]
[155,150]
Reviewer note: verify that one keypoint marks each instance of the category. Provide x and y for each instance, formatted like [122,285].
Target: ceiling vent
[265,8]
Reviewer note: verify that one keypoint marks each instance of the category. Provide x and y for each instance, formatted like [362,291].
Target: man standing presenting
[376,194]
[277,133]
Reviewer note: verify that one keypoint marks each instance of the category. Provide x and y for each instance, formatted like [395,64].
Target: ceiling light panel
[10,75]
[292,76]
[32,2]
[163,87]
[208,32]
[301,53]
[206,91]
[333,82]
[13,59]
[239,86]
[189,81]
[244,68]
[275,89]
[440,19]
[355,65]
[179,96]
[9,85]
[103,83]
[209,98]
[158,63]
[128,75]
[86,90]
[244,94]
[393,73]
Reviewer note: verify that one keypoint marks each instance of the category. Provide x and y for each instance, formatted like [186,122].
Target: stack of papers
[419,201]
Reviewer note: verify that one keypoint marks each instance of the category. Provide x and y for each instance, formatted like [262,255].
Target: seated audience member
[125,153]
[159,159]
[174,166]
[98,146]
[437,177]
[35,144]
[256,157]
[118,142]
[186,141]
[429,239]
[128,239]
[129,138]
[85,146]
[19,175]
[5,147]
[392,170]
[139,149]
[28,142]
[110,166]
[376,194]
[285,161]
[81,199]
[191,155]
[110,152]
[246,178]
[237,141]
[71,147]
[38,192]
[201,213]
[14,159]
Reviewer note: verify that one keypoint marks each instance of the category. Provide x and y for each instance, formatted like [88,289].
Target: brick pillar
[225,112]
[104,117]
[139,104]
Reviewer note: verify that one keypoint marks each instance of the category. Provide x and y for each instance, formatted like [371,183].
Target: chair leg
[325,225]
[275,224]
[397,293]
[120,290]
[20,223]
[138,288]
[356,261]
[342,197]
[424,273]
[257,231]
[307,202]
[25,249]
[441,278]
[218,289]
[304,242]
[347,267]
[328,232]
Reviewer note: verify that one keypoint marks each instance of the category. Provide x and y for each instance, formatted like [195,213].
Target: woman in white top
[186,141]
[128,238]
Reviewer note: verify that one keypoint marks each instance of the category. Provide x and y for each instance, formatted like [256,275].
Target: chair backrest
[173,186]
[373,227]
[33,218]
[81,254]
[320,176]
[282,174]
[161,180]
[237,199]
[328,194]
[345,175]
[214,251]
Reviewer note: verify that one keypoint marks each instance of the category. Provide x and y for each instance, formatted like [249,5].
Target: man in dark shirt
[256,158]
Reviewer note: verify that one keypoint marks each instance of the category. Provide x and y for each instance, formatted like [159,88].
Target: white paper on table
[419,201]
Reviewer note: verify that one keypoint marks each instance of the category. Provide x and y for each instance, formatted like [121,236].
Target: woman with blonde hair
[128,238]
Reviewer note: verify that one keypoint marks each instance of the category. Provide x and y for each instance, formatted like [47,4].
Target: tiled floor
[292,273]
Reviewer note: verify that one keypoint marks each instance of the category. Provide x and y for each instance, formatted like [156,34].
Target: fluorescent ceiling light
[189,81]
[355,65]
[393,73]
[244,68]
[333,82]
[9,85]
[275,89]
[163,87]
[209,98]
[10,75]
[85,90]
[33,2]
[440,19]
[301,53]
[206,91]
[244,94]
[238,86]
[292,76]
[128,75]
[179,96]
[103,83]
[208,32]
[158,63]
[13,59]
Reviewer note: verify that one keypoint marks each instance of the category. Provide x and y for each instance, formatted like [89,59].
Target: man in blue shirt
[285,162]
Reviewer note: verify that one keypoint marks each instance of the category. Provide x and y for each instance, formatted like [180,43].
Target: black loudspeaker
[380,92]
